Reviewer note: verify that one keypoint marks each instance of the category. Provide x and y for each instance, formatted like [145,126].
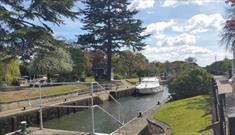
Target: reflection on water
[131,105]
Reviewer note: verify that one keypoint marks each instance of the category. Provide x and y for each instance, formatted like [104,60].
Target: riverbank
[189,116]
[138,125]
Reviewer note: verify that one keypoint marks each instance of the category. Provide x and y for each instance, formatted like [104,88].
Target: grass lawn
[31,92]
[187,117]
[90,79]
[133,80]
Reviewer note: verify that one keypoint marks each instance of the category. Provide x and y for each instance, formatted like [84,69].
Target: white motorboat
[148,85]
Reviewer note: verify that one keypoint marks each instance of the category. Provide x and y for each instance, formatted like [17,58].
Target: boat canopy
[150,79]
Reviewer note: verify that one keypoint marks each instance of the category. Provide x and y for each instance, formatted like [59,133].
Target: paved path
[223,85]
[33,108]
[45,131]
[136,125]
[69,99]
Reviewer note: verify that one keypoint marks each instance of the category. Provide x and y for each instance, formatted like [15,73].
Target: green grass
[187,117]
[90,79]
[133,80]
[31,92]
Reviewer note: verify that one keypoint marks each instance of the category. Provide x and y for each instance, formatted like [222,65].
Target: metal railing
[92,91]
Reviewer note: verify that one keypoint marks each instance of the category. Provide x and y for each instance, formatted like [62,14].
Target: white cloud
[196,24]
[177,50]
[194,50]
[141,4]
[178,40]
[158,27]
[203,22]
[166,45]
[175,3]
[173,53]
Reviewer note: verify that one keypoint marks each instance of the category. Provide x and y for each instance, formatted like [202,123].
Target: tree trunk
[109,64]
[109,50]
[48,77]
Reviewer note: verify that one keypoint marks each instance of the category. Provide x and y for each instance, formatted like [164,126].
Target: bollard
[139,115]
[23,128]
[158,103]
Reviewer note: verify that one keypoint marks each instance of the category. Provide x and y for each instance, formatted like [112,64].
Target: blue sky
[179,28]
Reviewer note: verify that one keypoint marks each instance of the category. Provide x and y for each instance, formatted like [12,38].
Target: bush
[189,83]
[117,77]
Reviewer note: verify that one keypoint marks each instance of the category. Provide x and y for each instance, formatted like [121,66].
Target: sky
[179,29]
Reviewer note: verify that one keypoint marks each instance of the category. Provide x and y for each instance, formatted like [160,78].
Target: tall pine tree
[110,25]
[23,24]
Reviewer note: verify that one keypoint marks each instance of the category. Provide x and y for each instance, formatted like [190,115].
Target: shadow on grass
[201,104]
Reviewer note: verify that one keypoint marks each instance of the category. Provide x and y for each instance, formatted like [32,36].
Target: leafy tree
[191,82]
[220,67]
[80,63]
[191,60]
[23,29]
[177,67]
[151,70]
[228,33]
[110,25]
[226,64]
[53,62]
[9,69]
[140,63]
[98,59]
[130,64]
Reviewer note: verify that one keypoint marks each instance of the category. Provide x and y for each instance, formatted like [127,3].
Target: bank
[186,116]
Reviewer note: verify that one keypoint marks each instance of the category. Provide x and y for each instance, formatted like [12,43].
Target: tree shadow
[202,104]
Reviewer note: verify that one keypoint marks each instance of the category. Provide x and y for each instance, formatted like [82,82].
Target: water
[131,105]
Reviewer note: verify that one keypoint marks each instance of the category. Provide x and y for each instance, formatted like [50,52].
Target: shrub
[117,77]
[189,83]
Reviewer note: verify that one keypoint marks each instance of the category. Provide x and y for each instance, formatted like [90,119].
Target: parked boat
[148,85]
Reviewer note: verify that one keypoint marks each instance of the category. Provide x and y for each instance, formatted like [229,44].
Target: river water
[131,105]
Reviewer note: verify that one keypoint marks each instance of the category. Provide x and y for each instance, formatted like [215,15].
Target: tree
[130,64]
[53,62]
[189,83]
[228,33]
[220,67]
[98,59]
[191,60]
[9,69]
[110,25]
[226,64]
[80,63]
[23,29]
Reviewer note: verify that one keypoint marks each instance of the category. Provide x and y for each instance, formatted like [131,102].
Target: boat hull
[147,91]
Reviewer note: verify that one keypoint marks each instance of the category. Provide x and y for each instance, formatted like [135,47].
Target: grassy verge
[187,117]
[133,80]
[31,92]
[90,79]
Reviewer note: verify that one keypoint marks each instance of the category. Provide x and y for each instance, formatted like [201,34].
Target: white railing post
[92,109]
[41,118]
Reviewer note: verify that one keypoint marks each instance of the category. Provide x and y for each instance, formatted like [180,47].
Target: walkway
[33,108]
[223,85]
[136,125]
[45,131]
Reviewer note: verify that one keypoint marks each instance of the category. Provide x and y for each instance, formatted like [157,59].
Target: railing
[94,88]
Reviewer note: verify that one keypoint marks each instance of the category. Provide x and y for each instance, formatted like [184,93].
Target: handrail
[92,106]
[114,101]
